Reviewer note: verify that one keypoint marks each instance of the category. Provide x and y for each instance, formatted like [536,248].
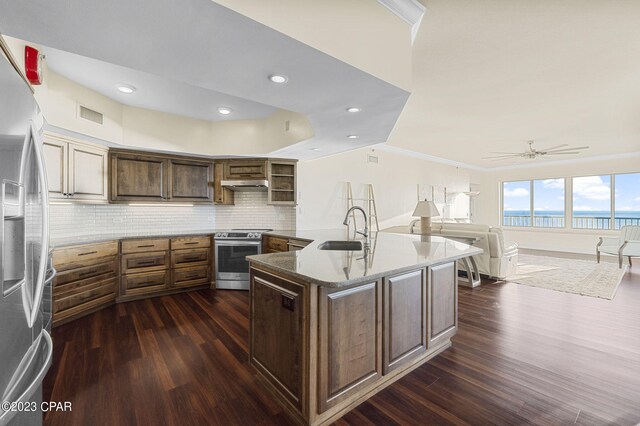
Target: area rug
[583,277]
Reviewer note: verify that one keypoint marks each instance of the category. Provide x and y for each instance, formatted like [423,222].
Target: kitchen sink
[341,245]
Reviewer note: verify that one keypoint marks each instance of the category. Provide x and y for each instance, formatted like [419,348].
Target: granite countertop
[94,239]
[389,254]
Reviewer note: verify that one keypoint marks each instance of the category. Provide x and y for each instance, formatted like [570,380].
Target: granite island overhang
[331,328]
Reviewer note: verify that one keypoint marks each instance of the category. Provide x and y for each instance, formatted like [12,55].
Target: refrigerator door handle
[44,190]
[36,381]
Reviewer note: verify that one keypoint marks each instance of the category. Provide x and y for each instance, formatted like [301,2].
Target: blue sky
[589,193]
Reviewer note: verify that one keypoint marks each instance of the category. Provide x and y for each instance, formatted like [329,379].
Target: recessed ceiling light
[315,149]
[353,109]
[126,89]
[353,136]
[225,110]
[277,78]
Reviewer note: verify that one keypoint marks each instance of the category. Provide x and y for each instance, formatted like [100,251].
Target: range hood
[246,185]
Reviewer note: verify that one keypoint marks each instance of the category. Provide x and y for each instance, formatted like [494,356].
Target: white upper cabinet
[76,171]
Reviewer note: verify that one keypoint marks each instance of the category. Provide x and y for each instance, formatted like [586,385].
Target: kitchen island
[330,328]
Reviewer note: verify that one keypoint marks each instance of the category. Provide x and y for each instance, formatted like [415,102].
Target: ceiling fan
[532,153]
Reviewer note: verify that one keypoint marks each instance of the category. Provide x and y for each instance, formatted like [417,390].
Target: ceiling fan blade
[560,153]
[501,157]
[502,152]
[575,148]
[554,147]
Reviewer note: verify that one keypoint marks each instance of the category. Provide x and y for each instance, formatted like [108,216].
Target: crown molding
[410,11]
[422,156]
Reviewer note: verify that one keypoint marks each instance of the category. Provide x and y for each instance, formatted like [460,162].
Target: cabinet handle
[148,283]
[147,262]
[191,259]
[191,243]
[88,253]
[84,274]
[147,246]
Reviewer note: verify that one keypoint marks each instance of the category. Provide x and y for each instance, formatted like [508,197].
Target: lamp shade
[426,209]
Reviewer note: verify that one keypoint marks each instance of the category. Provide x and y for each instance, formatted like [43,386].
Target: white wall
[566,240]
[322,182]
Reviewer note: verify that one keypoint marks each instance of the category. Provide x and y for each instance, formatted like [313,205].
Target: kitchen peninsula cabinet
[145,177]
[329,329]
[76,171]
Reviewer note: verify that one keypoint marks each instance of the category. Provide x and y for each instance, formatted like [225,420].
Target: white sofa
[498,259]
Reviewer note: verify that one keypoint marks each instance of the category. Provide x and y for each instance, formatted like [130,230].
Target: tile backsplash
[121,220]
[251,211]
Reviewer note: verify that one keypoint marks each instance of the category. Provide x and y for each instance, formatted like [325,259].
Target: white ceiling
[489,75]
[205,45]
[152,92]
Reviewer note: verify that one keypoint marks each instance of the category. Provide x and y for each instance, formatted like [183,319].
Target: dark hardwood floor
[522,355]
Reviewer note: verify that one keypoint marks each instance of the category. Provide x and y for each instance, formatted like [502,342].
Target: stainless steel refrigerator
[25,271]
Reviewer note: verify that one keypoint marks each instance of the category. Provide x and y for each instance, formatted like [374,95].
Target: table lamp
[425,210]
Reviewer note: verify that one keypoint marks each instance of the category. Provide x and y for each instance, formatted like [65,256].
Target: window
[540,203]
[627,200]
[548,203]
[516,203]
[592,202]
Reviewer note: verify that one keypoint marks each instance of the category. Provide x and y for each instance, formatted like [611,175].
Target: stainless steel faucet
[364,233]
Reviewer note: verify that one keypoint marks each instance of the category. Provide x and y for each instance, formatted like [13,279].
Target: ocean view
[583,219]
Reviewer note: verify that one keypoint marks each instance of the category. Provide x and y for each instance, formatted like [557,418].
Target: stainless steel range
[232,248]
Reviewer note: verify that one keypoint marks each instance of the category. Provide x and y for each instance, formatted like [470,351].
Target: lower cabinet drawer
[145,262]
[83,297]
[275,244]
[191,276]
[79,256]
[145,283]
[188,258]
[85,272]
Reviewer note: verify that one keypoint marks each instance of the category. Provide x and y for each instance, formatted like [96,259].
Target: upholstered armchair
[627,244]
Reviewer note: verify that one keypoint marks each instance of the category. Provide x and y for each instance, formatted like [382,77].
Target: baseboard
[568,255]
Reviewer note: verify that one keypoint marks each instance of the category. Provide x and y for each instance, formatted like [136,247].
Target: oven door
[231,259]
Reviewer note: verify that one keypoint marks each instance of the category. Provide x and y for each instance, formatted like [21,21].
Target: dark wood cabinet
[221,195]
[443,298]
[245,169]
[87,280]
[136,177]
[277,325]
[405,318]
[191,264]
[145,266]
[344,344]
[272,244]
[350,343]
[145,177]
[191,181]
[282,182]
